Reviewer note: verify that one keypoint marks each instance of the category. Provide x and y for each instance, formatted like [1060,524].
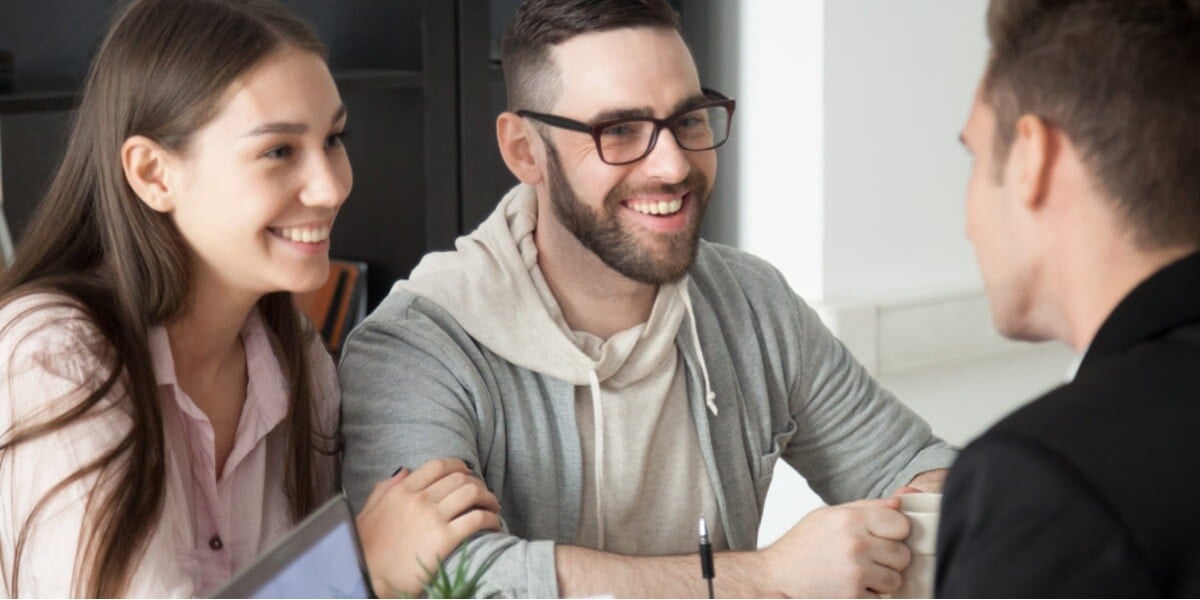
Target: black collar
[1163,302]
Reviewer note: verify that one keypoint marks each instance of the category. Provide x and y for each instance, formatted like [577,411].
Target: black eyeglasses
[623,141]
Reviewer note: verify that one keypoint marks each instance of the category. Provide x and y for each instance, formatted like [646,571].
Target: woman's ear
[146,168]
[517,147]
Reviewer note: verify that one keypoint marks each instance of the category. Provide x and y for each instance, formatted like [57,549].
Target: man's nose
[667,161]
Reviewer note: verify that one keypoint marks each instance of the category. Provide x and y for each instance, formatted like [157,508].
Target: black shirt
[1094,488]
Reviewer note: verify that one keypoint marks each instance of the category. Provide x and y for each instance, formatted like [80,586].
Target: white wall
[850,176]
[899,82]
[780,128]
[850,179]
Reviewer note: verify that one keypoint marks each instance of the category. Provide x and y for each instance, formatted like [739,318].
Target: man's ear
[1033,153]
[517,147]
[147,166]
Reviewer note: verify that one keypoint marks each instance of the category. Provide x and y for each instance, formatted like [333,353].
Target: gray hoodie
[471,358]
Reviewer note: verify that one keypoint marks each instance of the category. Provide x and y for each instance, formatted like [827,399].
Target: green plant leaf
[464,583]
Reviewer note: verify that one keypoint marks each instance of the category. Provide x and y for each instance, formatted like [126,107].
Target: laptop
[320,558]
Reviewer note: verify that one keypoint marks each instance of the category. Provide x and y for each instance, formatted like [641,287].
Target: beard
[614,243]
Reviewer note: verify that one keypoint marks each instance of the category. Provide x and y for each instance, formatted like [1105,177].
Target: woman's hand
[419,518]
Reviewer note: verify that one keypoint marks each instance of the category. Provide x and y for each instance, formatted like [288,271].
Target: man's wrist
[929,481]
[751,573]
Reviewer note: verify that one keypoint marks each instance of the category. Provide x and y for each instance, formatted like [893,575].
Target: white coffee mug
[922,511]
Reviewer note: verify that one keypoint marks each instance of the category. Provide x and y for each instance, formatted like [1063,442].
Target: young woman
[165,412]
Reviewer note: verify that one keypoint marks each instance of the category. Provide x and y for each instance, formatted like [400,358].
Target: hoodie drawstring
[709,395]
[598,411]
[598,433]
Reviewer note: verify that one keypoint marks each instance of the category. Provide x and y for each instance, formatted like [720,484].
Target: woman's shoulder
[51,351]
[47,322]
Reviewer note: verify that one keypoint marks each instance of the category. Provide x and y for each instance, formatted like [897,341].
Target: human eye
[336,140]
[281,152]
[692,120]
[620,130]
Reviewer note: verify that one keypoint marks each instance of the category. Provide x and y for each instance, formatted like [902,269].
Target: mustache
[694,182]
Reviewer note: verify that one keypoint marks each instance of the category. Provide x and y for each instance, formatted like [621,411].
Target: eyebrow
[644,112]
[291,128]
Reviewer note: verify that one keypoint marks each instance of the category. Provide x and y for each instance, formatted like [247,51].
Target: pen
[706,557]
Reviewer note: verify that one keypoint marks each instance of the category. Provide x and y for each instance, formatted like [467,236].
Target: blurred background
[844,169]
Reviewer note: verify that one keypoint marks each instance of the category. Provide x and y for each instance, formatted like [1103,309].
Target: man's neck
[1099,280]
[593,297]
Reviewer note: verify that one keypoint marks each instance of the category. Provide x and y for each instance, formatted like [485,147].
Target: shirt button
[215,544]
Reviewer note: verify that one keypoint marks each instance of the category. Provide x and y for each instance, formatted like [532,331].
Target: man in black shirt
[1084,209]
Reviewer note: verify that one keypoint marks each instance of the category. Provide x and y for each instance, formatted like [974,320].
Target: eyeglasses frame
[716,99]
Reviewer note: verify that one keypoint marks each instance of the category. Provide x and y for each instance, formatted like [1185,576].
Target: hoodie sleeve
[410,393]
[854,439]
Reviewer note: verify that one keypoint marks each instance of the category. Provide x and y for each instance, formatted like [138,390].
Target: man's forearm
[586,572]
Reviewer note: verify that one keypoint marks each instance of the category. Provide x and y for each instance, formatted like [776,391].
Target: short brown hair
[1121,79]
[529,74]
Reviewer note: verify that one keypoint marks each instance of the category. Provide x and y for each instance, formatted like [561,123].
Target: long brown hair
[161,72]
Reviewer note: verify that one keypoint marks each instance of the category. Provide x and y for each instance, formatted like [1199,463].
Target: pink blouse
[211,526]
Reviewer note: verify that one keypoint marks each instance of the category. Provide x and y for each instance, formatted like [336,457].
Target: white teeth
[305,235]
[659,208]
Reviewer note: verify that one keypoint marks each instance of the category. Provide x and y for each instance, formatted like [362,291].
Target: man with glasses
[612,377]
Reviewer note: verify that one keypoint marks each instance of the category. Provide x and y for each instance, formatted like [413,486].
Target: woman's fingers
[434,470]
[440,489]
[381,489]
[422,515]
[473,494]
[473,522]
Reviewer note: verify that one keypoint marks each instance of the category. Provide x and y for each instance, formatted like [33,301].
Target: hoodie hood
[492,286]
